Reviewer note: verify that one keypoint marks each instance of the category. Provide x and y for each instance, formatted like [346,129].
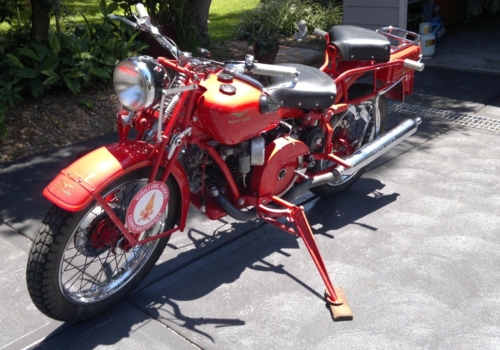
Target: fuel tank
[229,111]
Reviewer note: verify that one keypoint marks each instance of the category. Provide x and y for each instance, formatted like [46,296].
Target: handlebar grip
[414,65]
[141,10]
[275,71]
[319,32]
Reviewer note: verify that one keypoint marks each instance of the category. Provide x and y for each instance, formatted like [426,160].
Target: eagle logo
[239,115]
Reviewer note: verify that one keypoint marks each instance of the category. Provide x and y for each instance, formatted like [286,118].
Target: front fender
[74,187]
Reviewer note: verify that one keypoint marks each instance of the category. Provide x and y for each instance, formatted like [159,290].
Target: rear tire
[348,123]
[76,268]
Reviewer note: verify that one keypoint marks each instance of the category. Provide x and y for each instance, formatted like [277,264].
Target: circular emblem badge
[147,207]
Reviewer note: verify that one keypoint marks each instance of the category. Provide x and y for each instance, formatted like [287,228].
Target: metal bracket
[179,89]
[177,141]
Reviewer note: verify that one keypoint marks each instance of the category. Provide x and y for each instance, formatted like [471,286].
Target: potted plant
[266,44]
[261,27]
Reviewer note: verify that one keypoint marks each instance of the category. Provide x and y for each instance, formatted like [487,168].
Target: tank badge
[239,118]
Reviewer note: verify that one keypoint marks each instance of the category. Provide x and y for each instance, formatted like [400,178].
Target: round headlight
[137,83]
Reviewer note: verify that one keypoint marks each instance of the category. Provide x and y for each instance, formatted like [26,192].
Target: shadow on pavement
[21,184]
[347,208]
[464,92]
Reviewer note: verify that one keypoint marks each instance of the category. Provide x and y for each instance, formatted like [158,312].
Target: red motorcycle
[211,135]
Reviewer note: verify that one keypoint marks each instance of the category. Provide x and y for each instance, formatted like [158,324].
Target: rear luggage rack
[399,38]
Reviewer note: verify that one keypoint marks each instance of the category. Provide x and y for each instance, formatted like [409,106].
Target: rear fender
[74,188]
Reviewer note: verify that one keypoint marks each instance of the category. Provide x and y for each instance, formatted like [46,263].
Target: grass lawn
[88,7]
[224,15]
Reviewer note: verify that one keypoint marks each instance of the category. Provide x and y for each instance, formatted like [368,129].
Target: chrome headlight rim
[135,84]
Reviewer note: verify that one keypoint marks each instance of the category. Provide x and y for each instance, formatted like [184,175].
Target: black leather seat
[314,90]
[357,43]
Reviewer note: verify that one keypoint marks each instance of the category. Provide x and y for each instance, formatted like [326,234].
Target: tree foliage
[190,18]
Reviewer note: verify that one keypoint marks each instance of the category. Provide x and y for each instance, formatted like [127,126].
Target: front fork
[131,238]
[335,296]
[157,153]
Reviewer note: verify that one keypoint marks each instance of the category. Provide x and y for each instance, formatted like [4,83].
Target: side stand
[335,296]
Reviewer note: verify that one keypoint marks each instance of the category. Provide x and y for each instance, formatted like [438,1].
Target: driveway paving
[414,245]
[463,92]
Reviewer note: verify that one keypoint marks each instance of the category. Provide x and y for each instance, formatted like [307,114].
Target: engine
[240,158]
[260,167]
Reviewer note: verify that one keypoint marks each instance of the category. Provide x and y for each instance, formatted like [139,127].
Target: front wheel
[349,133]
[79,265]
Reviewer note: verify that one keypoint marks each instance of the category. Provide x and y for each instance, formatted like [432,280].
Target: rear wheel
[79,265]
[350,133]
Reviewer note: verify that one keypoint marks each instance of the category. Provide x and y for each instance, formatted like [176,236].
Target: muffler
[362,157]
[376,148]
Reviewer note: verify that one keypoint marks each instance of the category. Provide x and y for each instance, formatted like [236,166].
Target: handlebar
[270,70]
[418,66]
[124,20]
[320,33]
[141,11]
[275,71]
[144,24]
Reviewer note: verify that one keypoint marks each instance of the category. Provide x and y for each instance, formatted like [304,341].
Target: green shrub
[285,14]
[9,9]
[73,60]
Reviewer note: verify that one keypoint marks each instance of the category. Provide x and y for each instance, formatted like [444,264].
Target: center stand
[335,296]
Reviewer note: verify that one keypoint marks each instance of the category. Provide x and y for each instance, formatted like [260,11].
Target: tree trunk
[40,19]
[200,10]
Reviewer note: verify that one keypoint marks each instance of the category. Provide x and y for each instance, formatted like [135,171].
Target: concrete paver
[491,110]
[21,184]
[123,327]
[20,321]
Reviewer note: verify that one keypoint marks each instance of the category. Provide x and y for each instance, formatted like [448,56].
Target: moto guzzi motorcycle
[211,135]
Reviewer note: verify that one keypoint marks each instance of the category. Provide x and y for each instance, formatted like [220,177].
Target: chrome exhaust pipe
[362,157]
[376,148]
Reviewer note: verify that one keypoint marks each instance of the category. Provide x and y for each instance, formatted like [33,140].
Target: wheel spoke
[81,270]
[94,265]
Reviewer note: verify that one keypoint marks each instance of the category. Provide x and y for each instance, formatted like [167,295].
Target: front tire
[77,268]
[350,127]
